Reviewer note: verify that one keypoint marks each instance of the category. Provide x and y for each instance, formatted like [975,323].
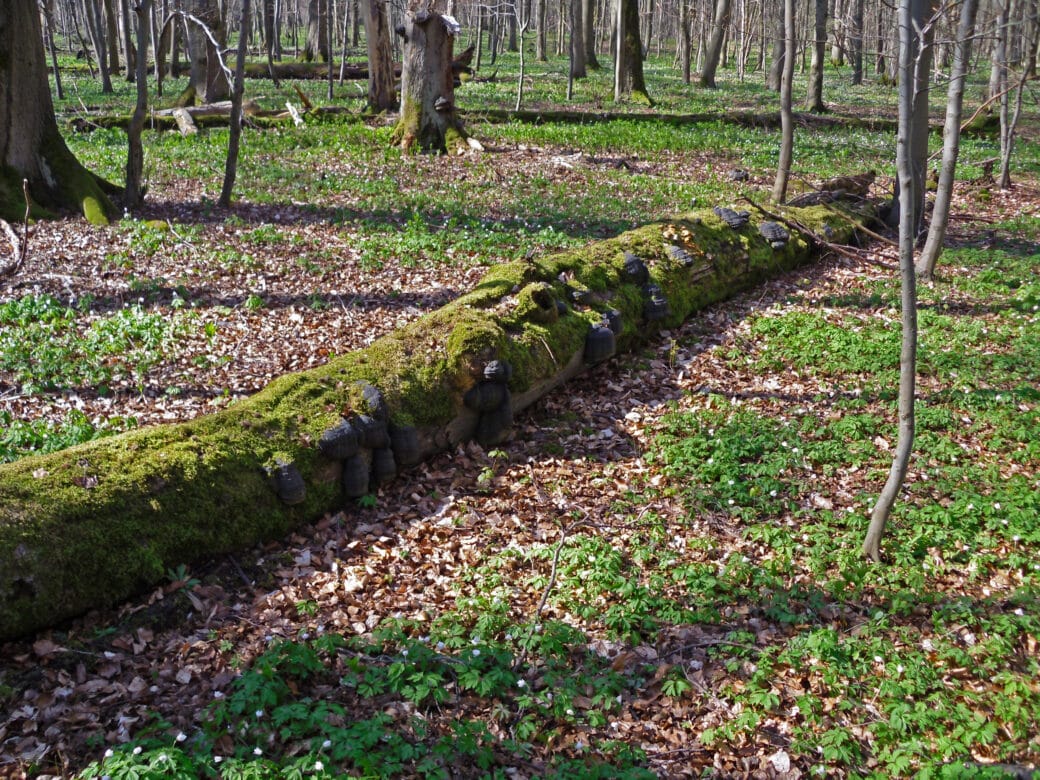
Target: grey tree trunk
[577,51]
[684,39]
[814,98]
[926,261]
[541,20]
[208,77]
[317,20]
[783,168]
[235,130]
[134,194]
[912,17]
[776,67]
[856,41]
[112,36]
[48,15]
[382,95]
[128,41]
[96,30]
[428,118]
[31,148]
[270,33]
[588,20]
[922,10]
[713,52]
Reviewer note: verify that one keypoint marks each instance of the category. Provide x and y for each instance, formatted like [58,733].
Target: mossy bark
[428,119]
[93,524]
[31,148]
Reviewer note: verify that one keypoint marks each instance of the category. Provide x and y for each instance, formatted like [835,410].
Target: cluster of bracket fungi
[371,448]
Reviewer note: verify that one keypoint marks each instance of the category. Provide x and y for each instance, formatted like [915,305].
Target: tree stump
[428,118]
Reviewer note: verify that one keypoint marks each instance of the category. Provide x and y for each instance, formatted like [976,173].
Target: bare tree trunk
[814,98]
[588,20]
[128,41]
[134,195]
[577,41]
[382,95]
[856,41]
[235,130]
[620,69]
[113,35]
[714,48]
[428,118]
[776,67]
[913,15]
[269,36]
[96,29]
[925,264]
[208,77]
[541,20]
[317,21]
[783,168]
[48,15]
[31,148]
[684,38]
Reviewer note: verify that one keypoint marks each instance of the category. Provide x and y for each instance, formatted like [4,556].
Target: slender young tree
[925,264]
[134,193]
[783,168]
[912,19]
[235,131]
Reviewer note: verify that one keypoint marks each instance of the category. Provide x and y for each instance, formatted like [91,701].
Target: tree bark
[208,77]
[912,14]
[926,261]
[428,118]
[783,168]
[632,80]
[814,97]
[588,20]
[48,15]
[714,49]
[31,147]
[235,129]
[89,526]
[577,50]
[856,42]
[382,95]
[317,20]
[134,195]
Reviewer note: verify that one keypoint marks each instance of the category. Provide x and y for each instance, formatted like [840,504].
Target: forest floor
[574,523]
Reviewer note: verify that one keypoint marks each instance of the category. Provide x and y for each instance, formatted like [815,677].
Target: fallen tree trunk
[96,523]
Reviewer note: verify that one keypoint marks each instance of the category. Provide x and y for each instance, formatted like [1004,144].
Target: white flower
[926,644]
[181,737]
[318,766]
[570,712]
[137,750]
[218,694]
[109,753]
[217,759]
[772,493]
[731,502]
[476,652]
[259,714]
[521,683]
[440,645]
[163,757]
[996,505]
[900,669]
[1019,612]
[257,751]
[405,652]
[878,659]
[327,744]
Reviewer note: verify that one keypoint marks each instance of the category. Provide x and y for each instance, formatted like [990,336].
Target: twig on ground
[19,247]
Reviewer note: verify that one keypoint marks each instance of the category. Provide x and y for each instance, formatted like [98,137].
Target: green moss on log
[91,525]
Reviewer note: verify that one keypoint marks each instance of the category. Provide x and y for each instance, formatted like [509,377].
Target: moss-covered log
[93,524]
